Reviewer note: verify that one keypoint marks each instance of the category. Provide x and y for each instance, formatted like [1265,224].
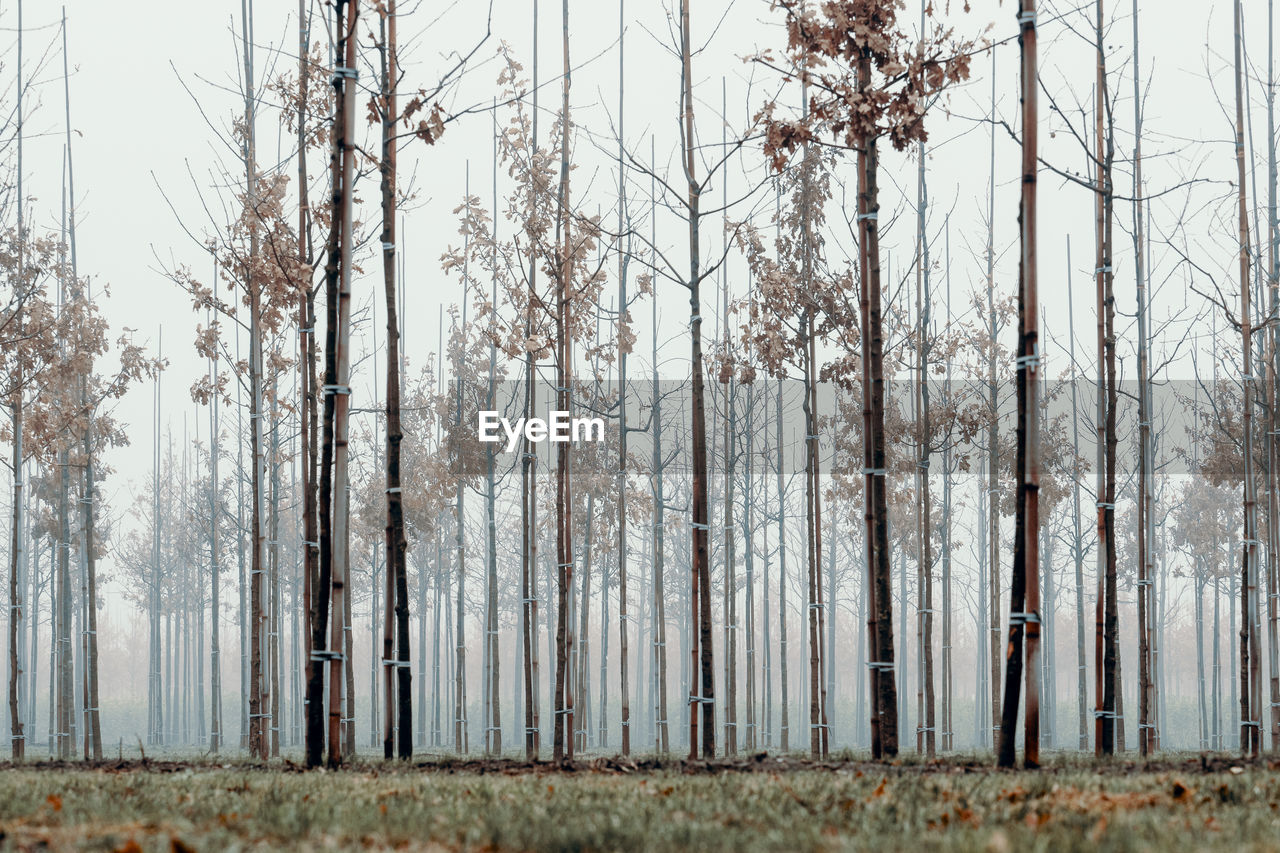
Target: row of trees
[316,496]
[62,370]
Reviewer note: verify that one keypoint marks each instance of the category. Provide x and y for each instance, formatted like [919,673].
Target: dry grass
[761,804]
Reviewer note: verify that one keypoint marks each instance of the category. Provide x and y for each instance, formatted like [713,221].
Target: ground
[757,803]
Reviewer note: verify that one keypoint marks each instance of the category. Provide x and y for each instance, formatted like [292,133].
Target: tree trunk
[334,497]
[1077,544]
[460,727]
[884,721]
[275,633]
[1273,388]
[704,681]
[926,741]
[748,530]
[17,731]
[784,730]
[1202,705]
[259,698]
[1024,609]
[66,662]
[529,492]
[1107,617]
[395,654]
[93,722]
[1146,526]
[315,589]
[1250,653]
[947,676]
[563,740]
[624,259]
[662,739]
[993,455]
[812,497]
[493,717]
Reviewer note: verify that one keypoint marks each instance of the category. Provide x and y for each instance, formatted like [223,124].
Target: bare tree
[1024,608]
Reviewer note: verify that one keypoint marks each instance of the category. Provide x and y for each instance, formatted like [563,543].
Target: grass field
[755,804]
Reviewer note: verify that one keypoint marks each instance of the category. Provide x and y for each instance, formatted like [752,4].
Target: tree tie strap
[323,655]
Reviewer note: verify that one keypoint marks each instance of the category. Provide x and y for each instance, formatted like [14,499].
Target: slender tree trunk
[460,727]
[314,590]
[1107,650]
[493,717]
[1201,704]
[1024,607]
[579,650]
[93,726]
[395,649]
[1146,483]
[813,512]
[334,520]
[784,731]
[662,741]
[66,662]
[258,690]
[564,707]
[93,723]
[748,531]
[703,694]
[30,567]
[730,574]
[624,259]
[274,634]
[993,454]
[766,609]
[1273,387]
[1250,653]
[947,676]
[17,731]
[926,729]
[529,490]
[1077,544]
[884,721]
